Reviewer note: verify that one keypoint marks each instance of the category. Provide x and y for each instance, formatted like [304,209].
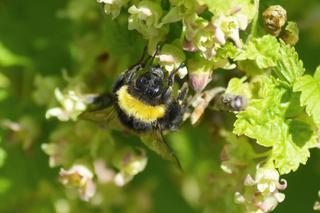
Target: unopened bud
[274,18]
[239,198]
[290,34]
[199,80]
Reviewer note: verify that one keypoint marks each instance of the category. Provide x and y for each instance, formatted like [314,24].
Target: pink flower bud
[199,80]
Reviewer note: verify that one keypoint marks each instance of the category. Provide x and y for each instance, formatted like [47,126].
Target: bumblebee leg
[141,64]
[172,74]
[166,95]
[130,72]
[154,54]
[182,95]
[173,117]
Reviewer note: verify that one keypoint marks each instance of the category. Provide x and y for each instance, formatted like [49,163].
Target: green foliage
[310,94]
[265,120]
[263,51]
[7,58]
[267,117]
[225,7]
[289,66]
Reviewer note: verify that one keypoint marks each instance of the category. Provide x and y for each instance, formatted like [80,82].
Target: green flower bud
[205,42]
[131,165]
[113,7]
[186,7]
[179,10]
[145,18]
[290,34]
[53,150]
[193,25]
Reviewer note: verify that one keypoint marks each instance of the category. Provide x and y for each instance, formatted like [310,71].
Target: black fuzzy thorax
[170,121]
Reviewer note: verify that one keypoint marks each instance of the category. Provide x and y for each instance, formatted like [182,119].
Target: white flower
[113,7]
[262,193]
[239,198]
[268,204]
[132,165]
[72,105]
[142,12]
[228,27]
[80,177]
[53,150]
[267,179]
[122,179]
[103,173]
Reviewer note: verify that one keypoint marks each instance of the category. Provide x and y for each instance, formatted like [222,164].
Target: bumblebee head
[151,82]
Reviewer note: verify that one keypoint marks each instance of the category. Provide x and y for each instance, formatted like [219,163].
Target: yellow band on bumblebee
[137,109]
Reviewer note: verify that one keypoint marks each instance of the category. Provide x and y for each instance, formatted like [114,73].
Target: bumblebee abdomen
[133,123]
[135,108]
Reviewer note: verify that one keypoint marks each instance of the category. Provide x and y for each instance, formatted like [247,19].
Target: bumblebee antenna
[155,53]
[172,74]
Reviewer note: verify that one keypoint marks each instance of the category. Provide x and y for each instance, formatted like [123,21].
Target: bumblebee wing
[157,143]
[99,110]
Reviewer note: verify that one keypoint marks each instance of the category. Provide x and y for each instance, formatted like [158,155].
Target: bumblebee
[142,100]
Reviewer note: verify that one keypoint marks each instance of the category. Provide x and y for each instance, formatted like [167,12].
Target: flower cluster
[72,104]
[131,165]
[209,36]
[53,150]
[145,18]
[204,35]
[171,58]
[263,192]
[80,177]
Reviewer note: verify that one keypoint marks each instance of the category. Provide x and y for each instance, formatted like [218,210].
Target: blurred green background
[67,43]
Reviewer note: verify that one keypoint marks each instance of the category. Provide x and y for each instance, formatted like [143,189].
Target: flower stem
[262,154]
[253,31]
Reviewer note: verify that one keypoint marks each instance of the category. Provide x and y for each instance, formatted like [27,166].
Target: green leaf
[8,58]
[317,74]
[225,7]
[265,121]
[156,142]
[237,86]
[4,185]
[300,131]
[3,154]
[263,51]
[4,81]
[238,147]
[289,66]
[310,95]
[260,120]
[299,139]
[257,122]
